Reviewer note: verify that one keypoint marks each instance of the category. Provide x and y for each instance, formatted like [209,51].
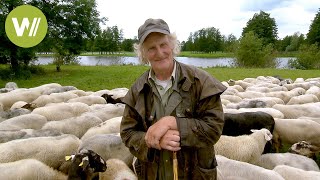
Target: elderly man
[171,109]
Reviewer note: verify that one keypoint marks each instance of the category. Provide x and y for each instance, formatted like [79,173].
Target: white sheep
[108,146]
[314,90]
[26,121]
[246,148]
[294,130]
[77,126]
[45,87]
[271,160]
[54,98]
[9,98]
[49,150]
[107,111]
[292,173]
[29,169]
[108,127]
[59,111]
[303,99]
[232,168]
[117,170]
[297,110]
[59,89]
[232,98]
[250,94]
[89,100]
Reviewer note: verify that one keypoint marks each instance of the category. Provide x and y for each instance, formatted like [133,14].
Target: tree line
[74,27]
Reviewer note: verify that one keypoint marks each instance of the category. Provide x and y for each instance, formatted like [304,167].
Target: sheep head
[304,148]
[85,165]
[267,133]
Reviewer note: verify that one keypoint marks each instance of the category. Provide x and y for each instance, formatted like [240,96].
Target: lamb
[292,173]
[27,121]
[108,127]
[59,111]
[117,170]
[271,160]
[29,169]
[77,126]
[50,150]
[89,100]
[108,146]
[246,148]
[232,168]
[294,130]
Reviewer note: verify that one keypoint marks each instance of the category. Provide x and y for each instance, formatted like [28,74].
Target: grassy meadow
[93,78]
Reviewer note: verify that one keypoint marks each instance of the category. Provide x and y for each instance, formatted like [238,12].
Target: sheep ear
[267,137]
[253,130]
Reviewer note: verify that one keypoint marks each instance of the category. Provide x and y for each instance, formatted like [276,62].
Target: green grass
[93,78]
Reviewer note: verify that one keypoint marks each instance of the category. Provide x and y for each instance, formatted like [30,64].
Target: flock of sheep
[53,131]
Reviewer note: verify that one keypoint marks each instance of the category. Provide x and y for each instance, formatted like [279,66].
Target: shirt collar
[173,74]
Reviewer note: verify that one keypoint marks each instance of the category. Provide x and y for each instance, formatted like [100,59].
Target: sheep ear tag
[67,158]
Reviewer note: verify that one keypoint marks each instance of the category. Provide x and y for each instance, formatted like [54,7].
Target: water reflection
[198,62]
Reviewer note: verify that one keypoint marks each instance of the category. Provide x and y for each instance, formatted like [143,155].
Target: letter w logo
[25,25]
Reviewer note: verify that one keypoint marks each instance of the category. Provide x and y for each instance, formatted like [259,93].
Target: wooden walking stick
[175,166]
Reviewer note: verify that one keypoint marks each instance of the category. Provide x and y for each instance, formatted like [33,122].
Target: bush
[24,72]
[308,57]
[252,54]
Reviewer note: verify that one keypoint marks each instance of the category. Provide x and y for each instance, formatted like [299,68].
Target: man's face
[158,50]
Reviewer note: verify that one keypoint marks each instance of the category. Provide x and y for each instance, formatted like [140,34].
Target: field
[93,78]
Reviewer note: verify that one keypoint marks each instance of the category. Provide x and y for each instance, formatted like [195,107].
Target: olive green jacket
[199,115]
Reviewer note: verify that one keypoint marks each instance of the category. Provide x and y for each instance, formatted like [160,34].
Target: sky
[188,16]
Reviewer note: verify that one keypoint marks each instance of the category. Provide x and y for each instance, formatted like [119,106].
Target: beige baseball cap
[152,25]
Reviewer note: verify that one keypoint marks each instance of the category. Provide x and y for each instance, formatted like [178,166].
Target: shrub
[308,57]
[252,54]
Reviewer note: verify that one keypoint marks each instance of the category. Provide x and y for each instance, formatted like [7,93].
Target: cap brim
[151,31]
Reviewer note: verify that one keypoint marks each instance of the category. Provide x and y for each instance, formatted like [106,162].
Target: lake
[198,62]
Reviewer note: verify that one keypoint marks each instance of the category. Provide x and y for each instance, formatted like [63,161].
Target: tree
[9,52]
[263,26]
[70,24]
[252,53]
[230,43]
[313,35]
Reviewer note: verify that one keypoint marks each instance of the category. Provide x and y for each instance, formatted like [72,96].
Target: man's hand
[170,141]
[158,129]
